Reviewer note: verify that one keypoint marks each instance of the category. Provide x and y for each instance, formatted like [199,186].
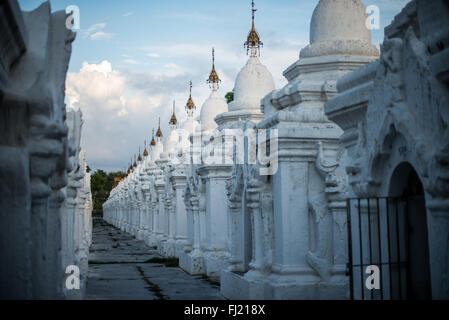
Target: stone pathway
[123,268]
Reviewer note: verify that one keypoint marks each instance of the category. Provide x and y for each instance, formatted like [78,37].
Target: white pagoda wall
[35,148]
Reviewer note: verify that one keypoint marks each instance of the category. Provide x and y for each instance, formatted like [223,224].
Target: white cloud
[120,109]
[153,55]
[131,61]
[100,35]
[128,14]
[95,32]
[94,28]
[171,66]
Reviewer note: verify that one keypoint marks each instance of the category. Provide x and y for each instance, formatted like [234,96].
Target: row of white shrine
[284,236]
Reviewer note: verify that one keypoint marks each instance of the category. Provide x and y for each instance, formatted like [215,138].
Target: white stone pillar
[179,183]
[217,253]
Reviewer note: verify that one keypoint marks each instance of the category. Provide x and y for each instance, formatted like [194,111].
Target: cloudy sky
[131,58]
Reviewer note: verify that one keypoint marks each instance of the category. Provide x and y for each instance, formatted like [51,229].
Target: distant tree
[229,96]
[88,169]
[101,185]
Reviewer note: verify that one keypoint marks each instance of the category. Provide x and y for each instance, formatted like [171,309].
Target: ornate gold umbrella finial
[159,131]
[139,158]
[153,142]
[145,152]
[173,120]
[190,104]
[213,80]
[253,41]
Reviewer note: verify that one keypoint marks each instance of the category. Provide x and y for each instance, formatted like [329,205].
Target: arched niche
[406,185]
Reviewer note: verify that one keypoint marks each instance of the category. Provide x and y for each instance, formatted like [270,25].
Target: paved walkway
[123,268]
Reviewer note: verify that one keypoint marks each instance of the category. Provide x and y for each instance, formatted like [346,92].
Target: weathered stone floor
[119,270]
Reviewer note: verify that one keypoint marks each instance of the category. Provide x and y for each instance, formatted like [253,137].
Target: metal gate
[378,236]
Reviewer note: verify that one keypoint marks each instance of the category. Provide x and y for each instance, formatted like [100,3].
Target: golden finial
[135,164]
[253,41]
[173,120]
[139,159]
[145,152]
[153,143]
[213,80]
[190,104]
[159,131]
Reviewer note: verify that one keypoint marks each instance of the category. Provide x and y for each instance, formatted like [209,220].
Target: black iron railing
[378,236]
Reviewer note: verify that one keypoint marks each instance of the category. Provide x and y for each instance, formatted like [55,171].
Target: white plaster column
[217,252]
[178,180]
[254,209]
[160,189]
[196,252]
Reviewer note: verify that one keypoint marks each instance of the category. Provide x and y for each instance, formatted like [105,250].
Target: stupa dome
[212,107]
[339,27]
[253,83]
[171,141]
[190,125]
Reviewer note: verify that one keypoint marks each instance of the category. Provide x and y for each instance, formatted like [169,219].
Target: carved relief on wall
[407,105]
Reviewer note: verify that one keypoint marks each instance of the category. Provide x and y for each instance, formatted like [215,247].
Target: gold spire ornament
[213,80]
[253,41]
[173,120]
[159,131]
[139,158]
[135,163]
[190,104]
[153,142]
[145,152]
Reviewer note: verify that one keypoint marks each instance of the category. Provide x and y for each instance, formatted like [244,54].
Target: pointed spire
[253,41]
[135,163]
[145,151]
[190,104]
[139,158]
[213,80]
[159,131]
[173,120]
[153,142]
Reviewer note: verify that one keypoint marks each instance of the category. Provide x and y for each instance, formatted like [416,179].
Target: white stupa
[252,84]
[158,148]
[147,160]
[254,81]
[190,124]
[330,35]
[215,104]
[173,137]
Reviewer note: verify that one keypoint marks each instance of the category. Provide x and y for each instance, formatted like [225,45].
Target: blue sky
[132,58]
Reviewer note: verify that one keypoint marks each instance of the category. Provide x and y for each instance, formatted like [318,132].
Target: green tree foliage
[229,96]
[101,185]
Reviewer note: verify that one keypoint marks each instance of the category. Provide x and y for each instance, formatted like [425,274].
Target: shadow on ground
[123,268]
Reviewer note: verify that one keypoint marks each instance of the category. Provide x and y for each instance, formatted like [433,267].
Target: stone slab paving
[118,270]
